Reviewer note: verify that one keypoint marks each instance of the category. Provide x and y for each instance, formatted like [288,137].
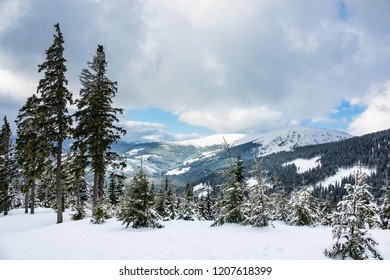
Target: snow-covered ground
[25,236]
[178,171]
[342,173]
[304,165]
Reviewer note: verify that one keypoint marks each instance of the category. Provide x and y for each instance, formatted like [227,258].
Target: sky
[191,68]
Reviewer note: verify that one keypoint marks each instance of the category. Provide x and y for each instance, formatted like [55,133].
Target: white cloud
[223,119]
[255,65]
[377,115]
[153,132]
[11,11]
[14,85]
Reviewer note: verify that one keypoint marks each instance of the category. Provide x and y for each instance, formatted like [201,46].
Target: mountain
[291,138]
[196,160]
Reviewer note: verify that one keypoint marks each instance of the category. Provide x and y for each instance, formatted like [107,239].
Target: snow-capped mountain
[193,160]
[290,138]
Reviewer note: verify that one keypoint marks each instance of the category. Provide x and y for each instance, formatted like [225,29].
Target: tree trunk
[26,202]
[78,196]
[58,182]
[101,187]
[95,191]
[32,185]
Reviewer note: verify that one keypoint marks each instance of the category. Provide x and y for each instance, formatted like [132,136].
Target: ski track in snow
[25,236]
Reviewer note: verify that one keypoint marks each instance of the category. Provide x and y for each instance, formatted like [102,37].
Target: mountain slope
[291,138]
[194,160]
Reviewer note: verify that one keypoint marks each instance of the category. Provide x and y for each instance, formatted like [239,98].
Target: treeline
[38,165]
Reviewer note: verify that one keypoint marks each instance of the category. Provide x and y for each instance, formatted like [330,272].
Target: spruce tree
[136,206]
[257,208]
[6,166]
[385,207]
[187,207]
[206,205]
[115,188]
[76,182]
[229,207]
[303,208]
[31,149]
[356,213]
[52,109]
[96,128]
[278,201]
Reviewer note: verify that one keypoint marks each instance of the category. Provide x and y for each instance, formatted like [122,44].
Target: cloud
[233,120]
[377,115]
[11,11]
[246,67]
[152,132]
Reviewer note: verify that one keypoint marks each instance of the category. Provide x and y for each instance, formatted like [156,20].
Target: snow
[304,165]
[31,237]
[290,138]
[342,173]
[178,171]
[216,139]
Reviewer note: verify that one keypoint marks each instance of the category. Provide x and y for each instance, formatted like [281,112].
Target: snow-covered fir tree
[326,211]
[303,208]
[257,207]
[385,206]
[206,204]
[356,213]
[76,183]
[116,186]
[171,205]
[52,109]
[187,207]
[136,206]
[278,200]
[230,205]
[97,120]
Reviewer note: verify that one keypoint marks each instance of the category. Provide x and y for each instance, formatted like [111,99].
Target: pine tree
[187,206]
[206,205]
[115,188]
[278,201]
[303,209]
[385,207]
[96,128]
[229,207]
[136,206]
[31,150]
[355,214]
[257,207]
[7,167]
[52,109]
[76,183]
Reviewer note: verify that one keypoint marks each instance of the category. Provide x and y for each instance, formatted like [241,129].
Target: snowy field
[28,237]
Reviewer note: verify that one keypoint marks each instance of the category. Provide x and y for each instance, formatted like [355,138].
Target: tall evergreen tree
[136,207]
[229,207]
[6,166]
[52,109]
[355,214]
[96,128]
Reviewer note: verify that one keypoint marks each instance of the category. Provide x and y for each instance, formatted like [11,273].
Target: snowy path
[38,237]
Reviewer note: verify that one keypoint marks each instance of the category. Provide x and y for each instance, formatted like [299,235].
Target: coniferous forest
[36,170]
